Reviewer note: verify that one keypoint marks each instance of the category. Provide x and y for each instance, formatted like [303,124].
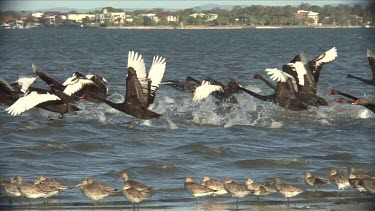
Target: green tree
[138,21]
[112,9]
[163,21]
[147,21]
[221,20]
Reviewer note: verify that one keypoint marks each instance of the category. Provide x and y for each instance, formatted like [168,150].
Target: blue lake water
[252,139]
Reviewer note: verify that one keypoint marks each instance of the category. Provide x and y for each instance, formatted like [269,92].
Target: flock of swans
[295,88]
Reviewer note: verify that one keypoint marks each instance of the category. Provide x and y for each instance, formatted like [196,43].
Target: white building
[208,17]
[78,17]
[302,14]
[211,17]
[195,15]
[38,14]
[115,17]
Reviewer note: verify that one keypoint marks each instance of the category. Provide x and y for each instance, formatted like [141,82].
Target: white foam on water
[364,114]
[172,125]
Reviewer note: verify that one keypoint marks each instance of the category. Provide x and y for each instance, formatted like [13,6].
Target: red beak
[356,102]
[82,97]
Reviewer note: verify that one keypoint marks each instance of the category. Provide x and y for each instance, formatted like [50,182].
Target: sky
[33,5]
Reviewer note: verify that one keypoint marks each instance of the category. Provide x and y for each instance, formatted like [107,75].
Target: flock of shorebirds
[137,192]
[295,88]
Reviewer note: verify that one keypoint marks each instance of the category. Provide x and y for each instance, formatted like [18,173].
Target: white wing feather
[6,84]
[90,76]
[299,67]
[25,82]
[156,72]
[327,56]
[370,53]
[78,85]
[29,101]
[69,81]
[277,75]
[136,61]
[204,90]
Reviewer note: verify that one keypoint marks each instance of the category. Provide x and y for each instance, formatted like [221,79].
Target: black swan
[371,61]
[306,83]
[285,94]
[140,88]
[77,84]
[188,85]
[51,100]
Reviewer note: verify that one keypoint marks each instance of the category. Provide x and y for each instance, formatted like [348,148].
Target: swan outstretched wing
[325,57]
[76,85]
[277,75]
[135,60]
[204,90]
[29,101]
[156,74]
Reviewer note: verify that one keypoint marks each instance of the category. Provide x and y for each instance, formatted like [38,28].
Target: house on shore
[304,15]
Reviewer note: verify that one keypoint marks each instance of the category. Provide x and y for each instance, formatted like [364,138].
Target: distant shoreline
[232,27]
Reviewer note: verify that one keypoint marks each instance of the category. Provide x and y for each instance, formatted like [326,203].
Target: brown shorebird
[51,191]
[134,184]
[237,190]
[95,191]
[356,173]
[365,185]
[340,180]
[134,195]
[51,183]
[197,190]
[315,182]
[259,189]
[9,189]
[214,185]
[287,190]
[30,191]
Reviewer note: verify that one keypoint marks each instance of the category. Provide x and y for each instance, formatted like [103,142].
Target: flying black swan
[76,85]
[51,100]
[140,88]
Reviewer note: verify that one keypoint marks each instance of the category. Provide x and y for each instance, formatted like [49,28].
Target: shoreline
[230,27]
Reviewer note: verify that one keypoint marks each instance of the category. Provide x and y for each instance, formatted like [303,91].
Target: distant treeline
[342,14]
[255,15]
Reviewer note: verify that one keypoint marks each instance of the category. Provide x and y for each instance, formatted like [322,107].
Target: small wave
[163,169]
[202,149]
[93,146]
[335,156]
[50,147]
[266,163]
